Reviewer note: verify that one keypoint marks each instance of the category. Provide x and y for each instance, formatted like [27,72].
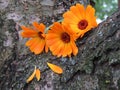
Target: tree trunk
[118,3]
[96,67]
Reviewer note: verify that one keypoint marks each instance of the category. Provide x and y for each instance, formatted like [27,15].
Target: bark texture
[96,67]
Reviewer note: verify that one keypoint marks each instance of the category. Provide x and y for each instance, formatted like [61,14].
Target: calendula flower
[36,73]
[55,68]
[61,40]
[80,19]
[37,35]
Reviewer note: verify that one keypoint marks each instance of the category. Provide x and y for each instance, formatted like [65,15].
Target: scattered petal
[55,68]
[38,74]
[32,76]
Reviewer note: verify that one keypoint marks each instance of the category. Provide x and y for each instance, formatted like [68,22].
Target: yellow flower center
[65,37]
[82,24]
[40,35]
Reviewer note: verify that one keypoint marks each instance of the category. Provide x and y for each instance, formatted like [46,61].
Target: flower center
[82,24]
[65,37]
[40,35]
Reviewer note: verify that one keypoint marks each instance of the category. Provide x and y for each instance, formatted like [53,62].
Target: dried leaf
[55,68]
[38,74]
[32,76]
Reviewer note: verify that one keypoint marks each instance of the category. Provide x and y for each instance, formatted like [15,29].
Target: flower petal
[58,49]
[52,41]
[70,15]
[61,51]
[27,33]
[34,44]
[55,45]
[55,68]
[46,48]
[75,17]
[59,42]
[26,28]
[39,47]
[38,74]
[40,27]
[75,11]
[31,76]
[90,11]
[74,48]
[81,10]
[56,28]
[29,42]
[65,52]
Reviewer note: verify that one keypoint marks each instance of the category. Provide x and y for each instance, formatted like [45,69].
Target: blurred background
[105,8]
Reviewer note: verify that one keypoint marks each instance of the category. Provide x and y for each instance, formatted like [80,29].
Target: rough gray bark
[118,3]
[96,67]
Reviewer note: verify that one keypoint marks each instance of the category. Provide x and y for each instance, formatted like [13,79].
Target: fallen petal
[32,76]
[55,68]
[38,74]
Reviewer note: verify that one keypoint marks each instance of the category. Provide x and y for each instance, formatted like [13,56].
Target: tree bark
[119,4]
[96,67]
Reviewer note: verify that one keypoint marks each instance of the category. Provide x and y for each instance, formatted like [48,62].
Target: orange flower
[35,72]
[37,41]
[55,68]
[80,19]
[61,40]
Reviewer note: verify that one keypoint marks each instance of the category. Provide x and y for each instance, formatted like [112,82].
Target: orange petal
[69,17]
[55,68]
[29,42]
[75,28]
[39,47]
[34,44]
[40,27]
[32,76]
[29,34]
[52,36]
[55,45]
[67,28]
[74,48]
[46,48]
[26,28]
[64,54]
[68,50]
[58,49]
[38,74]
[90,11]
[75,11]
[81,10]
[61,51]
[56,28]
[51,42]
